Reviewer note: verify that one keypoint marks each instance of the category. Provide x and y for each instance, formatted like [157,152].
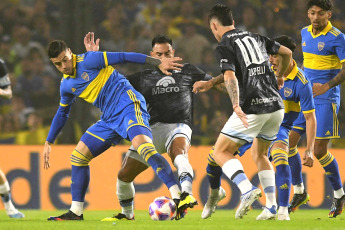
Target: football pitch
[222,219]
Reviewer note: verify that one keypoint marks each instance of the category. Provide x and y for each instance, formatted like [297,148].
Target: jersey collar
[293,72]
[74,59]
[323,32]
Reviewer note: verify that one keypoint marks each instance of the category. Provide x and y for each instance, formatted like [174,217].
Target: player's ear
[329,14]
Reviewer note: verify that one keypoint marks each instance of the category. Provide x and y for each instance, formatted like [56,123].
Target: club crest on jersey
[320,45]
[287,92]
[164,86]
[85,76]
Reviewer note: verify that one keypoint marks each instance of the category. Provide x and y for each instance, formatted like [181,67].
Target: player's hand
[308,159]
[89,42]
[170,64]
[241,115]
[280,82]
[201,86]
[319,89]
[46,152]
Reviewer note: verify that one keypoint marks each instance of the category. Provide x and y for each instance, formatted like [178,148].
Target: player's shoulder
[191,69]
[335,32]
[300,76]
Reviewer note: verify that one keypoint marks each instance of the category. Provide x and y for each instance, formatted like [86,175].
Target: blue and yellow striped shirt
[323,55]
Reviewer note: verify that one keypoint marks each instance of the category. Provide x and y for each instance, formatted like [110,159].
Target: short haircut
[323,4]
[161,39]
[222,13]
[286,41]
[55,48]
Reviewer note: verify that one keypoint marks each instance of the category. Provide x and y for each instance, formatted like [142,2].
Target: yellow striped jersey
[323,54]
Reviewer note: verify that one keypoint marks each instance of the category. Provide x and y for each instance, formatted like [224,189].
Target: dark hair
[323,4]
[222,13]
[161,39]
[55,48]
[286,41]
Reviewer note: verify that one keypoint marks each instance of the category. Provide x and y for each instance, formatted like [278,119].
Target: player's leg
[268,133]
[94,141]
[5,194]
[328,129]
[132,166]
[279,153]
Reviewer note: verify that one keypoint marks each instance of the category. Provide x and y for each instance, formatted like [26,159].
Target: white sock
[183,167]
[9,207]
[339,193]
[298,188]
[232,167]
[175,192]
[77,207]
[125,191]
[267,180]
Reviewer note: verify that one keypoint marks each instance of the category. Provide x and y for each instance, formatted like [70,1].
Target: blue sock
[79,182]
[158,163]
[330,165]
[295,166]
[283,176]
[214,172]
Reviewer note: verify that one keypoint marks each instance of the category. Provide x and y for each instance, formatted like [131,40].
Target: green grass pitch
[222,219]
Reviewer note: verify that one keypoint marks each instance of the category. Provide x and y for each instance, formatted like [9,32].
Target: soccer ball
[162,208]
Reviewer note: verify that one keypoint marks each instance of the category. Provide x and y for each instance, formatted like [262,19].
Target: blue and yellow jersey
[95,81]
[297,96]
[323,56]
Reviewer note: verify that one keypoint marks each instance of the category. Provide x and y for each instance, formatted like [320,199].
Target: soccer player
[257,105]
[5,193]
[90,77]
[169,102]
[323,48]
[297,95]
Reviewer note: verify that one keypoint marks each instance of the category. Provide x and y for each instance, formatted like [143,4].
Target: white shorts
[163,135]
[265,126]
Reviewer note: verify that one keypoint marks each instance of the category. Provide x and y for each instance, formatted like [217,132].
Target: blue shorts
[326,119]
[129,120]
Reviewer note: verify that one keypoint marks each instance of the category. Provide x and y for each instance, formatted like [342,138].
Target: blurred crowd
[27,26]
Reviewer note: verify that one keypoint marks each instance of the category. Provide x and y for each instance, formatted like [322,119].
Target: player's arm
[215,82]
[311,133]
[286,55]
[58,123]
[6,92]
[231,84]
[319,89]
[112,58]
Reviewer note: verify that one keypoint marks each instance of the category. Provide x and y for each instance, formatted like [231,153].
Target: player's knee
[125,176]
[80,159]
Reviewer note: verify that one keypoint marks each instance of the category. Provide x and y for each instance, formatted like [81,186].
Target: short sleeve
[306,98]
[272,46]
[226,58]
[340,47]
[66,98]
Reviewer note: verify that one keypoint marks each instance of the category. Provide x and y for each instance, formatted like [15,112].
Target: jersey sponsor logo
[303,44]
[164,86]
[85,76]
[287,91]
[320,46]
[258,101]
[73,90]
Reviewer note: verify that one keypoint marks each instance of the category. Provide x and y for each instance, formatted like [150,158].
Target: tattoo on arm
[338,79]
[233,91]
[221,87]
[217,80]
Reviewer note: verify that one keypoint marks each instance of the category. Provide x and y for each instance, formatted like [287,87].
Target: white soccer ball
[162,208]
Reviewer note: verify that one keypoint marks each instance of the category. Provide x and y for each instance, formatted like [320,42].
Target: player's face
[63,62]
[318,17]
[163,50]
[275,60]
